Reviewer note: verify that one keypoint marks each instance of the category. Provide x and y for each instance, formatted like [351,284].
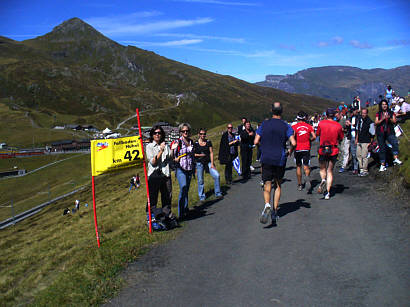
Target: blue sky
[245,39]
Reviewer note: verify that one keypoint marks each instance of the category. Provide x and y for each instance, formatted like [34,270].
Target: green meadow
[51,259]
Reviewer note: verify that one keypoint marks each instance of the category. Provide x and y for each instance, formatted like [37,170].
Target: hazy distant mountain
[342,83]
[75,70]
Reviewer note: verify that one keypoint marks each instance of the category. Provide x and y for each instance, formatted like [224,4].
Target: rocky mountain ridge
[342,83]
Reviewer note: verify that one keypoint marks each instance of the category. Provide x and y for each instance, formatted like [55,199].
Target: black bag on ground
[163,219]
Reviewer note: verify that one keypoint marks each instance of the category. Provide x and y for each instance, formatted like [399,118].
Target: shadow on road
[290,207]
[199,211]
[338,189]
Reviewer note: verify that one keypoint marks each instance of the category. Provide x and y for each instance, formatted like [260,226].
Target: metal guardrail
[21,216]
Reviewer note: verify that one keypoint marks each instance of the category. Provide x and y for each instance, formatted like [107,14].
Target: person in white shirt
[159,157]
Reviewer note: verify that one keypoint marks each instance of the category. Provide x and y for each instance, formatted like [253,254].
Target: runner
[304,135]
[330,133]
[272,136]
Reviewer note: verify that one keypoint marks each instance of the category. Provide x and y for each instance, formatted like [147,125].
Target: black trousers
[228,169]
[163,185]
[246,157]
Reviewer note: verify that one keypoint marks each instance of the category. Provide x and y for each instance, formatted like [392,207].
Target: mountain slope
[75,70]
[342,83]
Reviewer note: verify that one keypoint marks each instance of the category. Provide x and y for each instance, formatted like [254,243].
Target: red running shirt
[330,133]
[302,135]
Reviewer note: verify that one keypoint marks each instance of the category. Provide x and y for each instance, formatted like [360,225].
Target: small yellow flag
[113,154]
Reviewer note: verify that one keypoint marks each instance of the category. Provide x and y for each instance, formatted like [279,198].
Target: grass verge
[52,259]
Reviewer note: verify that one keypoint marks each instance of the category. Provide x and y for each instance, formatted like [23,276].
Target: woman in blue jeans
[183,150]
[204,159]
[385,120]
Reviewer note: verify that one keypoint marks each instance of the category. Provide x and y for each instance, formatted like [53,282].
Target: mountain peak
[73,29]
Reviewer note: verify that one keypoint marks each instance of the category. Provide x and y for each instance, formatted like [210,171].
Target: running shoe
[265,214]
[327,196]
[382,168]
[252,168]
[364,174]
[397,161]
[322,187]
[341,170]
[300,187]
[274,217]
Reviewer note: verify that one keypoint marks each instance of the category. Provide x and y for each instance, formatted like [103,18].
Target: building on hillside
[72,126]
[71,145]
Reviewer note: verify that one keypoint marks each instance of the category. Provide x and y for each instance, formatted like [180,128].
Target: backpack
[162,219]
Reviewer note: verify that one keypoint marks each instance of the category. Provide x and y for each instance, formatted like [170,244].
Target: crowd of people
[346,132]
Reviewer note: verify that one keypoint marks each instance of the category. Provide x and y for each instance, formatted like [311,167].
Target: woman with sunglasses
[204,159]
[228,151]
[385,121]
[183,151]
[159,157]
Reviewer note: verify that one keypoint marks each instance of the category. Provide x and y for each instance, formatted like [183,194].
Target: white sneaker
[252,168]
[397,161]
[327,196]
[382,168]
[265,214]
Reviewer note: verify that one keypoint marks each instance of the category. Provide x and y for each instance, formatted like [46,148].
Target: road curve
[352,250]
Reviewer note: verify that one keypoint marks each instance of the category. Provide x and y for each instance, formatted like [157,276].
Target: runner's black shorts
[325,158]
[302,157]
[271,172]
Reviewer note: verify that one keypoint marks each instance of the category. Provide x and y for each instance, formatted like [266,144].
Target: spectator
[137,180]
[389,94]
[159,158]
[132,184]
[331,134]
[241,127]
[183,150]
[364,136]
[304,135]
[352,124]
[272,135]
[228,151]
[404,113]
[345,123]
[204,158]
[247,138]
[385,119]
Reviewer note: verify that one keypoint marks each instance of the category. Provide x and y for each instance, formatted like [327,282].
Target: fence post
[12,212]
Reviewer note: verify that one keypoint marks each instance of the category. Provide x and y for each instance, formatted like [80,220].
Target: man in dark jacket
[364,136]
[228,151]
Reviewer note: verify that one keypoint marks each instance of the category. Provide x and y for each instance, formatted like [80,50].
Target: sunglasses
[202,134]
[185,131]
[157,133]
[230,127]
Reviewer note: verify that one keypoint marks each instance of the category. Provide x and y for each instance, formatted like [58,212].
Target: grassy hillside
[74,74]
[52,259]
[33,189]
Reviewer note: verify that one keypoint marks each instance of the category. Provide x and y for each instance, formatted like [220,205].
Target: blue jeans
[353,150]
[200,175]
[381,140]
[184,180]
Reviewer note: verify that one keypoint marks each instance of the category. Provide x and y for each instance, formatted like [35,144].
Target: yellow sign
[113,154]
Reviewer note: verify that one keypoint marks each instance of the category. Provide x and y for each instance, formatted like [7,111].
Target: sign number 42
[131,155]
